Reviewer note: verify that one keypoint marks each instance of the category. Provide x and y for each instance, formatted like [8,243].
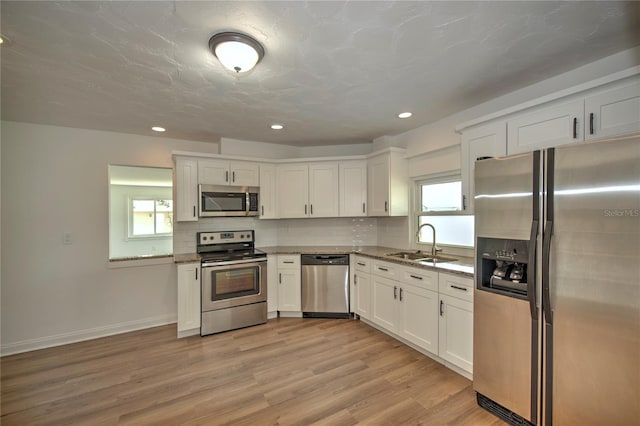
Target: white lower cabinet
[456,320]
[289,286]
[361,286]
[419,309]
[188,299]
[272,286]
[431,310]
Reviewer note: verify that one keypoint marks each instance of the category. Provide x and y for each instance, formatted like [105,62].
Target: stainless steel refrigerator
[557,297]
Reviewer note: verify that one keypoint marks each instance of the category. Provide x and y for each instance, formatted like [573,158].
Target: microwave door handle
[247,202]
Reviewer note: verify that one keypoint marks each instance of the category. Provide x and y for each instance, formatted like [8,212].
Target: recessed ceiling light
[277,126]
[4,40]
[405,115]
[158,129]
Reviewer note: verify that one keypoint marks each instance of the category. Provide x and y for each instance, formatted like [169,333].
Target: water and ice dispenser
[502,266]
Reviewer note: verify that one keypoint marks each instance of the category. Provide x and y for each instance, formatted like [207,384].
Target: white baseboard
[81,335]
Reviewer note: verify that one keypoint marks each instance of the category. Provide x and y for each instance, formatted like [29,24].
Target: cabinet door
[614,112]
[378,185]
[485,141]
[419,316]
[546,128]
[323,189]
[384,304]
[289,291]
[362,286]
[293,190]
[213,172]
[244,173]
[186,190]
[456,332]
[268,191]
[188,296]
[353,188]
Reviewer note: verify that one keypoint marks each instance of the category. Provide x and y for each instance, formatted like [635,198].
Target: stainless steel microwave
[222,200]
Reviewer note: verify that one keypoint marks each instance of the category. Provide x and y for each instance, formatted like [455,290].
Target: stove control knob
[204,238]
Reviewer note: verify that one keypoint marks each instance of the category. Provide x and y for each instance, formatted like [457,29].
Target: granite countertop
[463,266]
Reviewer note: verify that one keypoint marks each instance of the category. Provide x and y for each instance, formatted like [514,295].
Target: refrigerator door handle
[531,285]
[546,255]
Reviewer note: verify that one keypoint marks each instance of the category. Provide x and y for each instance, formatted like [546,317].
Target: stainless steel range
[234,281]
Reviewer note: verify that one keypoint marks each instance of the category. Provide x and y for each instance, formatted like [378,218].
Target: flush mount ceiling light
[158,129]
[405,115]
[277,126]
[237,52]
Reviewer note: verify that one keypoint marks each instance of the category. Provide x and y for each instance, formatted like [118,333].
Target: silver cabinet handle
[226,176]
[233,176]
[441,308]
[386,206]
[401,294]
[395,291]
[464,202]
[383,269]
[263,210]
[416,277]
[458,288]
[280,278]
[361,264]
[363,208]
[305,209]
[311,208]
[194,211]
[287,261]
[355,280]
[196,273]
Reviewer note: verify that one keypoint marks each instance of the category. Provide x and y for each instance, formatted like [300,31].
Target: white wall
[273,151]
[55,180]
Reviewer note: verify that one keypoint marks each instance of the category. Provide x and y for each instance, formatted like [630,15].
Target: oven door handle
[232,262]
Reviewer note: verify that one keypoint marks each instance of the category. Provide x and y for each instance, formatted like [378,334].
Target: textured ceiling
[334,72]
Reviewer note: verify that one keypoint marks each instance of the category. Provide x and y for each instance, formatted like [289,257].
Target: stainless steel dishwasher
[325,285]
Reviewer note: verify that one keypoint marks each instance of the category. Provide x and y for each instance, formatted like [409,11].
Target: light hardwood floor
[289,371]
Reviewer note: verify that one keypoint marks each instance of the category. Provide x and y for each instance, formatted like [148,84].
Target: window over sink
[438,201]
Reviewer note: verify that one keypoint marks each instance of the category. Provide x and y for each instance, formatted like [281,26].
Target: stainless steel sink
[421,257]
[408,256]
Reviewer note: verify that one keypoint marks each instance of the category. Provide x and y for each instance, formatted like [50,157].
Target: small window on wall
[439,203]
[140,212]
[149,218]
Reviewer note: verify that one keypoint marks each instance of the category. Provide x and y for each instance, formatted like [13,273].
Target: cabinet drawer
[456,286]
[362,264]
[289,261]
[384,269]
[420,278]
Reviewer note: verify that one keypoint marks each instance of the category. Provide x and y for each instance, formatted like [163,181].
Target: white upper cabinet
[353,188]
[225,172]
[186,191]
[485,141]
[546,127]
[268,191]
[292,185]
[323,189]
[613,112]
[388,185]
[307,190]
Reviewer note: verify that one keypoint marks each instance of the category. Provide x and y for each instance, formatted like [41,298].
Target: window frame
[130,219]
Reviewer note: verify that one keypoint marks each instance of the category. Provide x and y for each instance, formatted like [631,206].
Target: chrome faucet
[434,248]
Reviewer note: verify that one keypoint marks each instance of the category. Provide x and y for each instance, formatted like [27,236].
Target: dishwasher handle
[324,259]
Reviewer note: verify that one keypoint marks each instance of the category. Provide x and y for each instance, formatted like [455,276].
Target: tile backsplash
[323,232]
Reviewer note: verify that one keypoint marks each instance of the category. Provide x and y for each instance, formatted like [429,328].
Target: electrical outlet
[66,238]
